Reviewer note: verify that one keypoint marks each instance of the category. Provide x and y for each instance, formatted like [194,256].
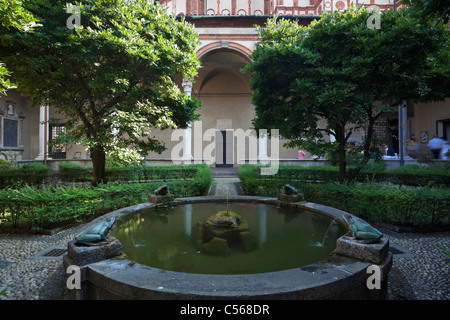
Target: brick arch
[219,45]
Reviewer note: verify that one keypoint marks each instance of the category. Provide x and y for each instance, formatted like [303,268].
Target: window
[10,128]
[57,152]
[10,132]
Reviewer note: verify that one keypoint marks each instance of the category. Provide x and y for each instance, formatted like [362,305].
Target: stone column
[187,140]
[42,123]
[332,138]
[262,145]
[402,132]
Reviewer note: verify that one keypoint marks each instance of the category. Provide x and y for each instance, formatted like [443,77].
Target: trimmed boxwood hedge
[49,206]
[39,174]
[411,175]
[29,174]
[421,207]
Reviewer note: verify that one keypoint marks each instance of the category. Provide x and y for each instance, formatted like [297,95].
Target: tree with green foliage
[111,76]
[339,70]
[434,9]
[13,16]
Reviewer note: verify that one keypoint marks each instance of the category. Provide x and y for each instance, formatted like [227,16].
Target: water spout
[326,233]
[320,244]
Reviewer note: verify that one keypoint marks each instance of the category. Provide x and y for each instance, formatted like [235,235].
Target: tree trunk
[367,143]
[98,157]
[340,139]
[342,164]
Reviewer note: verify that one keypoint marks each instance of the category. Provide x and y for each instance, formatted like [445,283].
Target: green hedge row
[48,207]
[38,174]
[421,207]
[31,174]
[411,175]
[73,172]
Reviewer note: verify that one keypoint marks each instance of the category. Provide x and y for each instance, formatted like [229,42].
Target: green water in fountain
[286,238]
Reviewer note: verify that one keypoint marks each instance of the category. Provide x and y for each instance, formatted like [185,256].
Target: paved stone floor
[421,270]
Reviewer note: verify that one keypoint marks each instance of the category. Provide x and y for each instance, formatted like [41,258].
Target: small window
[10,132]
[11,125]
[58,152]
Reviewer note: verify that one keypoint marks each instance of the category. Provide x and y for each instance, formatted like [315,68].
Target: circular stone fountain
[268,250]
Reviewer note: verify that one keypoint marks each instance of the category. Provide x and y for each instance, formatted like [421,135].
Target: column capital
[187,87]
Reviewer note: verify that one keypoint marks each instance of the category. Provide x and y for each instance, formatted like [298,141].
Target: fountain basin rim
[322,280]
[325,279]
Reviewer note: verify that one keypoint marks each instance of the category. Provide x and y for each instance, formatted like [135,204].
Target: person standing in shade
[300,154]
[445,151]
[435,146]
[389,151]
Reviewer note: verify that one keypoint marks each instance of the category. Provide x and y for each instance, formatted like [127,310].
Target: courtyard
[31,265]
[292,105]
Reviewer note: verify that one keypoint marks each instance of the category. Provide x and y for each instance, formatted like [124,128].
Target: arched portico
[224,45]
[226,96]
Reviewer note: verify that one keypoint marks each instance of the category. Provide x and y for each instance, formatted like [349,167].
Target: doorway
[443,129]
[224,148]
[392,135]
